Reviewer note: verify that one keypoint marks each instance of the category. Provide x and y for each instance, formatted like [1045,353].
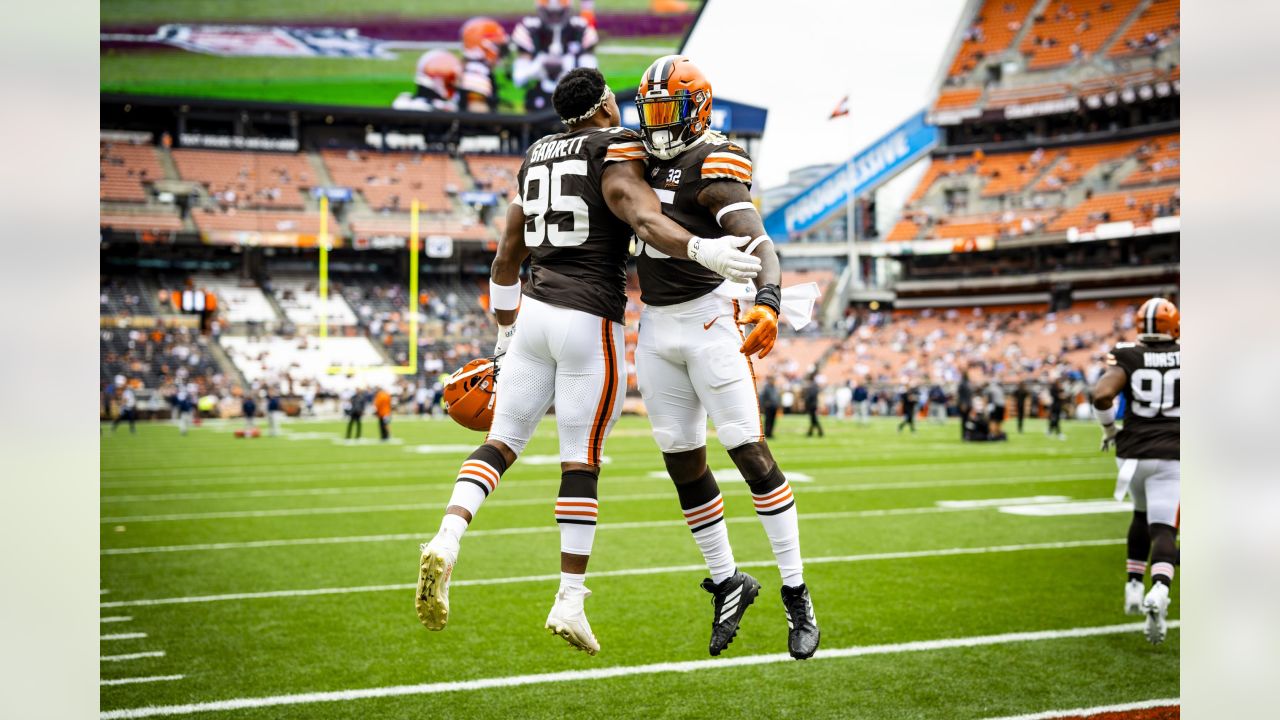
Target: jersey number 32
[547,212]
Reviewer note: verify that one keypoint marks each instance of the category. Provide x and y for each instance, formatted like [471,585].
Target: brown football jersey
[577,246]
[665,280]
[1153,397]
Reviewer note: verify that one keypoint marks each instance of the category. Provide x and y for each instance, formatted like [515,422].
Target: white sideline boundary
[1100,709]
[904,555]
[399,507]
[613,672]
[134,680]
[132,656]
[116,619]
[123,636]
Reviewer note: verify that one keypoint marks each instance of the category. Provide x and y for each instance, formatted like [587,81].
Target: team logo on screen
[272,41]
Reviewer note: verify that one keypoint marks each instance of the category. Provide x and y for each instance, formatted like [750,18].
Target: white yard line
[534,530]
[500,502]
[134,680]
[1088,712]
[132,656]
[115,619]
[903,555]
[997,502]
[614,672]
[123,636]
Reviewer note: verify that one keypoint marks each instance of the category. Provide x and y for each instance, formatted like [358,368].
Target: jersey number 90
[1155,393]
[547,212]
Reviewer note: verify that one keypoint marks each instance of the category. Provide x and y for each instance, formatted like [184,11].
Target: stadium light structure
[411,368]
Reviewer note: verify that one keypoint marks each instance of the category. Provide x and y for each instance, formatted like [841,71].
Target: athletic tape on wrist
[733,207]
[504,297]
[770,296]
[1105,417]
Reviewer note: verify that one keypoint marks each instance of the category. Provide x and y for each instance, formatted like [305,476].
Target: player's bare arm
[1110,385]
[633,201]
[730,202]
[504,277]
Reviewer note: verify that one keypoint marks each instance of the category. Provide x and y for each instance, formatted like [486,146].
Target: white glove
[722,256]
[1108,437]
[505,333]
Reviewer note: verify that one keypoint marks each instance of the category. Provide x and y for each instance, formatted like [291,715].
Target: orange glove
[764,335]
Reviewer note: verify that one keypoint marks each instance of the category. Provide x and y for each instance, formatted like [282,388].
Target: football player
[579,197]
[548,45]
[436,76]
[692,359]
[484,45]
[1148,375]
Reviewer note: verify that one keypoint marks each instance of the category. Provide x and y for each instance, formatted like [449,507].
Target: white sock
[573,583]
[777,512]
[453,525]
[709,532]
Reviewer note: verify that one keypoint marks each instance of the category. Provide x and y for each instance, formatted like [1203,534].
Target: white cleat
[434,571]
[568,619]
[1156,606]
[1133,593]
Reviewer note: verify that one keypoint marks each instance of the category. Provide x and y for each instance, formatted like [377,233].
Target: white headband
[592,111]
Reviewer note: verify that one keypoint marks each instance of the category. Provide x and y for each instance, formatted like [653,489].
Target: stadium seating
[238,301]
[287,221]
[141,222]
[495,172]
[1076,162]
[1159,160]
[1159,23]
[276,360]
[125,295]
[299,297]
[392,180]
[993,31]
[1067,31]
[399,224]
[1137,206]
[155,358]
[123,170]
[248,179]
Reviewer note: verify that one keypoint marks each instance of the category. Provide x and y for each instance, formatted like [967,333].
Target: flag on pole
[841,109]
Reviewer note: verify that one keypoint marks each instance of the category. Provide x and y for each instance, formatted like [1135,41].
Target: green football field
[274,578]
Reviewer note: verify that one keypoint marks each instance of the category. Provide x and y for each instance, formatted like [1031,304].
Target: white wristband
[733,207]
[504,297]
[1105,417]
[750,248]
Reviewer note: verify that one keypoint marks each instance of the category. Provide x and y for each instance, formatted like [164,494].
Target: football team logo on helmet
[1157,320]
[470,394]
[674,103]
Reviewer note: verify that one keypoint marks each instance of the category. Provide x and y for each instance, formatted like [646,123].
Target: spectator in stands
[355,412]
[770,400]
[382,408]
[908,397]
[128,409]
[811,392]
[1020,396]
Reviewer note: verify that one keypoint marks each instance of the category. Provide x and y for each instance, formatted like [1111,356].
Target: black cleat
[730,600]
[802,627]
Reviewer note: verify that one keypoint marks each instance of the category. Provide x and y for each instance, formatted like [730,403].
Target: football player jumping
[579,197]
[1148,375]
[692,359]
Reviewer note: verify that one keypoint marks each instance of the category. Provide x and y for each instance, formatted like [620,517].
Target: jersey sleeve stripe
[709,172]
[729,158]
[633,145]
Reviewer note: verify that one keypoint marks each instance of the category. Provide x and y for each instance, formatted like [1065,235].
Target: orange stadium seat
[1160,159]
[495,172]
[957,99]
[1076,162]
[398,224]
[1066,29]
[392,180]
[1161,18]
[303,223]
[255,179]
[124,168]
[993,30]
[1137,206]
[141,222]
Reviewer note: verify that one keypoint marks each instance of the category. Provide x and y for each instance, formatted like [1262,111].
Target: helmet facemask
[670,123]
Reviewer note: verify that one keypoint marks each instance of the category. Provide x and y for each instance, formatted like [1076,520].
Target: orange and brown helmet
[1157,320]
[439,70]
[484,38]
[674,102]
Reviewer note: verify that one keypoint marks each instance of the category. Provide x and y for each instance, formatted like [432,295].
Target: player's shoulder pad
[725,160]
[621,144]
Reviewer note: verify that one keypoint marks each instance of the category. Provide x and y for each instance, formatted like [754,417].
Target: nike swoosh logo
[707,325]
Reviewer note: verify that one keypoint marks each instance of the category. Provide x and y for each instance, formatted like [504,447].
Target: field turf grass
[882,564]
